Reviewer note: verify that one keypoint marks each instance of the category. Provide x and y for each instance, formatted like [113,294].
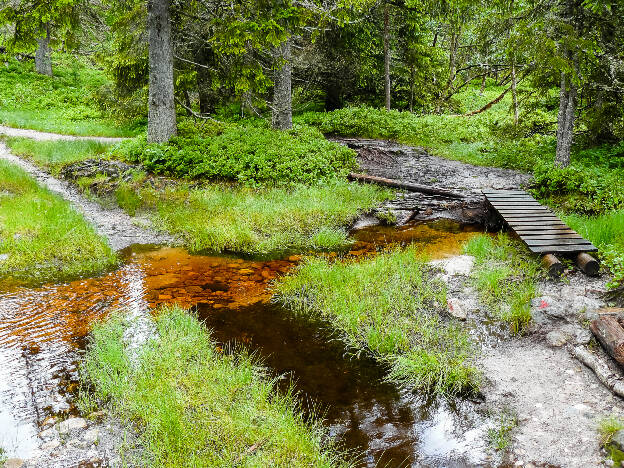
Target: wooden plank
[537,235]
[513,211]
[519,216]
[519,203]
[510,198]
[556,242]
[532,222]
[492,191]
[555,230]
[563,248]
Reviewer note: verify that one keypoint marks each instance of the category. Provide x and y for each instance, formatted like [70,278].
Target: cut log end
[588,264]
[552,265]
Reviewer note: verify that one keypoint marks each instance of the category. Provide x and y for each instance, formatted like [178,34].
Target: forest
[359,233]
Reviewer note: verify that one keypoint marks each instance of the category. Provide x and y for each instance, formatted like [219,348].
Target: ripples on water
[43,330]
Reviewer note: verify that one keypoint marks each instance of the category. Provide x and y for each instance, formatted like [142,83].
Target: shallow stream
[43,330]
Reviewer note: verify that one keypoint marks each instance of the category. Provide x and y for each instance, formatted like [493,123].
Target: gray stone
[456,309]
[618,439]
[48,433]
[91,436]
[4,257]
[556,338]
[582,337]
[51,445]
[72,424]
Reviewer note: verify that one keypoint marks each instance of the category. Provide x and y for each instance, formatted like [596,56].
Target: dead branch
[610,380]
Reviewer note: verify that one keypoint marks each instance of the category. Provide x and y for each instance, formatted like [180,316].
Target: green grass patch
[499,437]
[391,307]
[505,276]
[63,103]
[245,153]
[233,218]
[52,155]
[607,427]
[607,233]
[194,406]
[41,236]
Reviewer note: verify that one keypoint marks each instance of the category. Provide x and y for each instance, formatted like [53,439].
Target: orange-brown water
[43,329]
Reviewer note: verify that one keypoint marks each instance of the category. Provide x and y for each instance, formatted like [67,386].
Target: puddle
[42,332]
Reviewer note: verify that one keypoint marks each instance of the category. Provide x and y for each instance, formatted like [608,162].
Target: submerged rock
[71,424]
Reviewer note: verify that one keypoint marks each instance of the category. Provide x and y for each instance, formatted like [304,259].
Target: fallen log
[588,264]
[610,380]
[405,186]
[552,265]
[610,333]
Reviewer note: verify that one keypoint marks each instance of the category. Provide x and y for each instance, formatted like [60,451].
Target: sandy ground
[43,136]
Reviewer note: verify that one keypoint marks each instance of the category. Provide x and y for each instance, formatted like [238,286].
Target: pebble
[4,257]
[72,424]
[51,445]
[91,436]
[556,338]
[51,432]
[456,309]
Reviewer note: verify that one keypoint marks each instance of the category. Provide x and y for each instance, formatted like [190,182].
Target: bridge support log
[552,265]
[588,264]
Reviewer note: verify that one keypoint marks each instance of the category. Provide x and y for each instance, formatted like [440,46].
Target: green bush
[248,154]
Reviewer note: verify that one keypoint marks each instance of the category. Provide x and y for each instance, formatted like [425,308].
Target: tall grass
[195,406]
[41,235]
[505,276]
[54,154]
[221,217]
[391,307]
[607,233]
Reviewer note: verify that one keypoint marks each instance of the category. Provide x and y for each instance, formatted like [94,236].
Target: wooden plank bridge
[541,230]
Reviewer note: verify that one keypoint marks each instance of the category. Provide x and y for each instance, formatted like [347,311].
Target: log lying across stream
[405,186]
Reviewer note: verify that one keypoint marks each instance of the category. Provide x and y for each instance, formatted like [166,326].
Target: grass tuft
[42,237]
[505,276]
[392,307]
[195,406]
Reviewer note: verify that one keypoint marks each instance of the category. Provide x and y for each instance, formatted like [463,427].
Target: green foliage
[247,154]
[505,276]
[224,218]
[63,103]
[194,405]
[52,155]
[499,437]
[607,233]
[42,235]
[607,427]
[392,307]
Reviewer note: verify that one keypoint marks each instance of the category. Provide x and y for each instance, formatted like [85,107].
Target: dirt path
[558,401]
[120,229]
[43,136]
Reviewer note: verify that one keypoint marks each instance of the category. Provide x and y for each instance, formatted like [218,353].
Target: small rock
[456,309]
[91,436]
[4,257]
[582,337]
[14,463]
[618,439]
[556,338]
[51,445]
[97,415]
[48,421]
[245,271]
[72,424]
[51,432]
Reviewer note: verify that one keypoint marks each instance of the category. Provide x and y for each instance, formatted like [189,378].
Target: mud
[119,228]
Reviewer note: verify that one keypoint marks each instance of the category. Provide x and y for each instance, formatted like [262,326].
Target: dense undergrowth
[194,405]
[63,103]
[41,236]
[392,307]
[249,153]
[505,275]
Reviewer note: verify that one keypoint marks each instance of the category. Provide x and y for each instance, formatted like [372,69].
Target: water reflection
[43,329]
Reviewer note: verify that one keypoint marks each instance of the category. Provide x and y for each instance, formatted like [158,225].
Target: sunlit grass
[224,217]
[195,406]
[54,154]
[392,307]
[41,236]
[505,276]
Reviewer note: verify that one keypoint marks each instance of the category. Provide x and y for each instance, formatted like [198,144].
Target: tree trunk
[161,122]
[514,94]
[386,43]
[565,120]
[282,90]
[412,84]
[453,57]
[207,98]
[43,61]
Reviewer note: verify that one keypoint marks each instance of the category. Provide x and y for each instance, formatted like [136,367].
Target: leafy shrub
[251,155]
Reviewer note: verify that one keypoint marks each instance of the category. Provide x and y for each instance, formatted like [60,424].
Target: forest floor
[557,401]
